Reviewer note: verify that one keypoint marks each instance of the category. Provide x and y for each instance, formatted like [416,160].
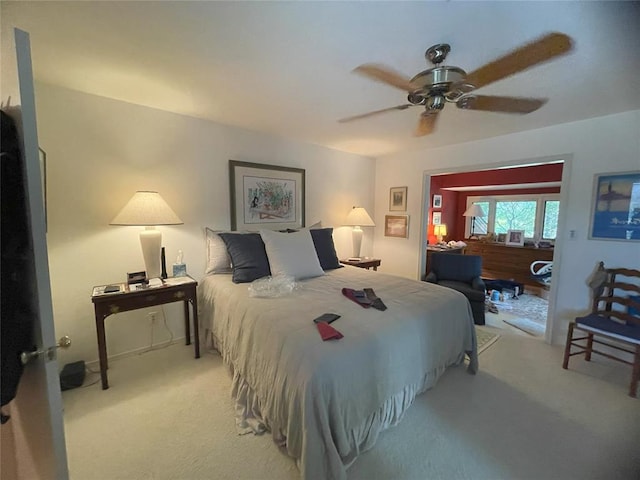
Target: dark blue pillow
[248,256]
[323,241]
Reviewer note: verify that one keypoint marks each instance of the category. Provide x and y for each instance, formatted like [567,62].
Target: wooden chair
[615,317]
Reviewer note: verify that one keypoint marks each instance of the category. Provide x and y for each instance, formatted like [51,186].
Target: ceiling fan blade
[500,104]
[369,114]
[386,75]
[538,51]
[426,124]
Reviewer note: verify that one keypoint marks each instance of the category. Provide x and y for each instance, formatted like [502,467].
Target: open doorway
[510,216]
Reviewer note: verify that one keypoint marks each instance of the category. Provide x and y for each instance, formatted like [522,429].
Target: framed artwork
[615,208]
[502,237]
[396,226]
[436,218]
[266,196]
[398,199]
[515,237]
[437,201]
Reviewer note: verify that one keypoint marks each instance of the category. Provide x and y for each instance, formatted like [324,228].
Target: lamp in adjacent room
[440,231]
[473,211]
[358,217]
[148,209]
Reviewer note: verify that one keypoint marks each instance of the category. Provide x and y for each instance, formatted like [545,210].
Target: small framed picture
[398,199]
[437,201]
[515,237]
[436,218]
[501,237]
[396,226]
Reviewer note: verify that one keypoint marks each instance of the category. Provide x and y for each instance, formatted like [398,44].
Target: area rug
[485,339]
[526,325]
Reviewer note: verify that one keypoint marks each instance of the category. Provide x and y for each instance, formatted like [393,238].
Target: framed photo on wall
[615,209]
[398,199]
[396,226]
[436,218]
[266,196]
[437,201]
[515,237]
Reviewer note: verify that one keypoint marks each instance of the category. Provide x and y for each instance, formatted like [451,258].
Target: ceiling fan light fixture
[434,87]
[435,102]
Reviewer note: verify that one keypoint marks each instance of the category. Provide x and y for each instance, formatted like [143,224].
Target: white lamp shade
[146,209]
[358,217]
[474,210]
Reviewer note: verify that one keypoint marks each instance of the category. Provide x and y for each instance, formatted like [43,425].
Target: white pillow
[291,254]
[218,260]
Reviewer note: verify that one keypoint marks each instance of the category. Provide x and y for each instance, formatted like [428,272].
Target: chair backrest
[460,268]
[618,297]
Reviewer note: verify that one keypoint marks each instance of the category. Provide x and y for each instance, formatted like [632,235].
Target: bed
[326,402]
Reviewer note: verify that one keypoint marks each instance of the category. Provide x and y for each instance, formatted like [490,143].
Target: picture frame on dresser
[266,196]
[515,238]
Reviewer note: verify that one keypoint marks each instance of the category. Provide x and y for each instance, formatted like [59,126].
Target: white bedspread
[328,401]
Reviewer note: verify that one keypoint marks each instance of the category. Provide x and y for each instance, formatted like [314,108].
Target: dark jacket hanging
[17,268]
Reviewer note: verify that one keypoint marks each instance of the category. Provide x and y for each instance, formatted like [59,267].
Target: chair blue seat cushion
[602,323]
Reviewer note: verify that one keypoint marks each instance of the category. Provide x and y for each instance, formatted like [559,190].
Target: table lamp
[440,231]
[358,217]
[148,209]
[473,211]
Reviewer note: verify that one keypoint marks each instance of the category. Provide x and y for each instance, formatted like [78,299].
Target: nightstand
[178,289]
[364,262]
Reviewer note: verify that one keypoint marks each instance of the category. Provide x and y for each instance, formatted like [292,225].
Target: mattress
[326,402]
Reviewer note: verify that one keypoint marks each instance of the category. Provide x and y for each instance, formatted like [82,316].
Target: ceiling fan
[433,87]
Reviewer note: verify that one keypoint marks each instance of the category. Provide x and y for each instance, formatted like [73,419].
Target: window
[537,215]
[515,215]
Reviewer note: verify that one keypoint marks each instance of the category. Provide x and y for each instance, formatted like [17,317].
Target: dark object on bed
[615,316]
[500,285]
[248,256]
[462,273]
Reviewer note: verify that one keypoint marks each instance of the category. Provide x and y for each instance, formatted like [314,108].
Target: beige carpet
[169,416]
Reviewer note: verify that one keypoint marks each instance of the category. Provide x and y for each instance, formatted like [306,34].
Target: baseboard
[137,351]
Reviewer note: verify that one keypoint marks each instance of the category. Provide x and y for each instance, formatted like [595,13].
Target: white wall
[604,144]
[100,151]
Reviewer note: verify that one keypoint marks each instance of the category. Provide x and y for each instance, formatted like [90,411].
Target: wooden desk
[364,262]
[507,262]
[108,304]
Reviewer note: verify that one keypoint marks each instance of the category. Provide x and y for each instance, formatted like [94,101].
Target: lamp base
[357,241]
[151,241]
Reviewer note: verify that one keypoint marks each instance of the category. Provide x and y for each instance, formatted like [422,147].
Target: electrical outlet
[152,316]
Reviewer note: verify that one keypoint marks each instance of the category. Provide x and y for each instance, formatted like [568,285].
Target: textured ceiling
[285,67]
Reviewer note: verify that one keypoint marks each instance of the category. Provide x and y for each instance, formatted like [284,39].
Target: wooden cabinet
[508,262]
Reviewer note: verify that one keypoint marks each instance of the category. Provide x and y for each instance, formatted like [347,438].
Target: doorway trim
[562,234]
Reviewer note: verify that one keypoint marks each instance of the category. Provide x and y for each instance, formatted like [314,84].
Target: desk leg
[102,350]
[375,269]
[196,327]
[187,329]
